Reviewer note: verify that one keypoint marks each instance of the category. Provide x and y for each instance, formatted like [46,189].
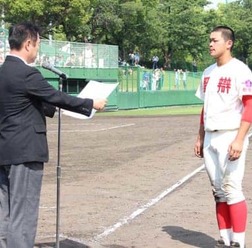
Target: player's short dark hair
[21,32]
[227,33]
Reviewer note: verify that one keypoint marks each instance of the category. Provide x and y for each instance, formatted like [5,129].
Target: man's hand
[99,104]
[236,147]
[198,149]
[235,150]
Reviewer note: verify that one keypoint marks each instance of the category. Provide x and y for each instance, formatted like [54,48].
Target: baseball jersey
[221,89]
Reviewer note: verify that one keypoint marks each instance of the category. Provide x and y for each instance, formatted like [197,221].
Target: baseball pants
[225,176]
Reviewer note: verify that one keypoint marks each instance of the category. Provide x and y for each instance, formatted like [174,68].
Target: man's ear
[229,44]
[27,45]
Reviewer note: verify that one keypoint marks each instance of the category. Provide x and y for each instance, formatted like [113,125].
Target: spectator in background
[161,80]
[44,59]
[145,81]
[184,76]
[155,79]
[155,60]
[137,58]
[177,78]
[71,61]
[59,60]
[194,66]
[132,58]
[88,56]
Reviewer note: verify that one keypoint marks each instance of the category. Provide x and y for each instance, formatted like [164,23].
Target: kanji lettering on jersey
[206,80]
[224,85]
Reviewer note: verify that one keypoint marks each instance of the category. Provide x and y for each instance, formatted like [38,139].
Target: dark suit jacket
[24,98]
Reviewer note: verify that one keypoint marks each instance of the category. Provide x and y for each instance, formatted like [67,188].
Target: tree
[183,30]
[237,15]
[176,31]
[70,16]
[105,22]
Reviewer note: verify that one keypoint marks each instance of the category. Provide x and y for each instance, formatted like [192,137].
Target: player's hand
[198,149]
[99,104]
[235,150]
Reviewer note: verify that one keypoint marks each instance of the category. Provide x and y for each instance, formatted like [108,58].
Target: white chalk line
[126,220]
[139,211]
[44,207]
[92,130]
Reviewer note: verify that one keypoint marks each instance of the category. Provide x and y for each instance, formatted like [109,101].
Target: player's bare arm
[198,147]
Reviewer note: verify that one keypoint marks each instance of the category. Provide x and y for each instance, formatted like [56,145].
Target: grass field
[175,110]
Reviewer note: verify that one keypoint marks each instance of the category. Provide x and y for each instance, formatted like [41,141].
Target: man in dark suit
[25,99]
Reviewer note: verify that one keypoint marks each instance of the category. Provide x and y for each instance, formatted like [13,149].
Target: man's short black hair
[227,33]
[21,32]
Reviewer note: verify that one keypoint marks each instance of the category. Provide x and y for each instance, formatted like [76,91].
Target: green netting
[69,54]
[73,54]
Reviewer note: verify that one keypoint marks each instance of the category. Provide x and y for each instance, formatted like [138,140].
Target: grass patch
[174,110]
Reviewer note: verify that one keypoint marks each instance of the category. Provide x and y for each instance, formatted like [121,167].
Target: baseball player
[226,89]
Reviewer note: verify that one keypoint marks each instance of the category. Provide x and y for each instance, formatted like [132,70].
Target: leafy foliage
[176,31]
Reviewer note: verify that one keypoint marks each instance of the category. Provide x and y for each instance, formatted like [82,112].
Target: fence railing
[69,54]
[133,79]
[74,54]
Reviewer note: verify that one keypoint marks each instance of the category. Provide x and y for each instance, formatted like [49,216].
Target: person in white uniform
[226,89]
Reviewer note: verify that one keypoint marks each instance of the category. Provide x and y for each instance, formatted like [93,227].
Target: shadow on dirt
[66,243]
[193,238]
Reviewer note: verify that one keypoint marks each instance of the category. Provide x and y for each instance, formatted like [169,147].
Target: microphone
[50,67]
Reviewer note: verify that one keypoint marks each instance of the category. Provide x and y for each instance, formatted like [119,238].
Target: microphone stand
[58,169]
[62,77]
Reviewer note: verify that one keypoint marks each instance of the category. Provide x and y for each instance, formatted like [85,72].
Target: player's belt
[221,130]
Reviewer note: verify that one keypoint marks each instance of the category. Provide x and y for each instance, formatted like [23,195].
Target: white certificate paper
[93,90]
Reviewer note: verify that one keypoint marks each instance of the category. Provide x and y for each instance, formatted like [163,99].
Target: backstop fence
[138,87]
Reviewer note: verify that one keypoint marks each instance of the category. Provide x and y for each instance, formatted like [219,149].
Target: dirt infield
[121,185]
